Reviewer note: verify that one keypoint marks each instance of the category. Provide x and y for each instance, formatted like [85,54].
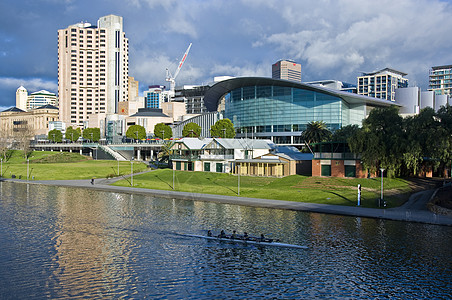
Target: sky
[331,39]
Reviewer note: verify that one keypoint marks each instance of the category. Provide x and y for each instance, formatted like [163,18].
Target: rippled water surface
[75,243]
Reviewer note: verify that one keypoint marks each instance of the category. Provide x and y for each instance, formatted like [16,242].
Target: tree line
[222,128]
[403,146]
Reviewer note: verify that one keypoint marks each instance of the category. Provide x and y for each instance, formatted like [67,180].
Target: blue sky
[330,39]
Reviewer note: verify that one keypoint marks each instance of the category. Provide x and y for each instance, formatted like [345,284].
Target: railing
[216,156]
[188,157]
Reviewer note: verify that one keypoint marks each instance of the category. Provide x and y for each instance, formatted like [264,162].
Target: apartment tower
[286,69]
[93,69]
[440,80]
[381,84]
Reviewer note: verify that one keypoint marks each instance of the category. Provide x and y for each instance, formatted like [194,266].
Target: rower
[233,235]
[263,239]
[222,234]
[245,236]
[209,233]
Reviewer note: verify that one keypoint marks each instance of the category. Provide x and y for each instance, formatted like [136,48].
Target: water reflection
[65,242]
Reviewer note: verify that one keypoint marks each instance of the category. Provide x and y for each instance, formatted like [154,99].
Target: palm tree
[316,132]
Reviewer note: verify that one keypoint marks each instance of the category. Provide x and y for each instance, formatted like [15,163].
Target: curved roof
[218,90]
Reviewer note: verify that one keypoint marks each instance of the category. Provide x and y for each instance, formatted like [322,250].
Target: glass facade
[152,100]
[278,109]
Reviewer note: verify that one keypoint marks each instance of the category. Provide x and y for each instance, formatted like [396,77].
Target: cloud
[31,84]
[353,35]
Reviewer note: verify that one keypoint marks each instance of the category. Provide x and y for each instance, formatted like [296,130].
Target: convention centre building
[279,110]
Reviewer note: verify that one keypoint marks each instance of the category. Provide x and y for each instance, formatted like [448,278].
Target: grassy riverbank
[339,191]
[47,165]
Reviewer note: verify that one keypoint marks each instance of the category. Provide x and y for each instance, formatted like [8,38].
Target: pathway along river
[58,242]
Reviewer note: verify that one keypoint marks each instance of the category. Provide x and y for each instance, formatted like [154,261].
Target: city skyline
[237,38]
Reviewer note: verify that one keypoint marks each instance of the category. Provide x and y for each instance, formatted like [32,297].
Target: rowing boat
[253,242]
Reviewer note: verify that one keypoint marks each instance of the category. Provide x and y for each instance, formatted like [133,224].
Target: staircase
[113,153]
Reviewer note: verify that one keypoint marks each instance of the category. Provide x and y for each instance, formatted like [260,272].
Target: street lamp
[238,183]
[28,168]
[224,132]
[163,135]
[137,135]
[92,138]
[54,138]
[381,197]
[131,171]
[1,170]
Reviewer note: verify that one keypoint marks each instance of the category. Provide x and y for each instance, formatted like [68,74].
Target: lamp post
[72,134]
[118,167]
[137,135]
[92,138]
[381,197]
[54,138]
[173,176]
[131,171]
[28,168]
[1,170]
[238,183]
[224,132]
[163,135]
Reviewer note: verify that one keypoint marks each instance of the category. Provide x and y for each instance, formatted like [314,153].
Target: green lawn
[47,165]
[340,191]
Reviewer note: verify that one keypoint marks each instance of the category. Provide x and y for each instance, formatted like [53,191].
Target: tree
[136,132]
[345,133]
[55,136]
[191,130]
[380,141]
[92,134]
[72,134]
[316,132]
[428,141]
[163,131]
[223,128]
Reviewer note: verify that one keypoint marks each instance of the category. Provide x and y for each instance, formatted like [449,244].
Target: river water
[60,242]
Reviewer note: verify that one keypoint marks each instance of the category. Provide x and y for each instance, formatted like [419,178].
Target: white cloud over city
[330,39]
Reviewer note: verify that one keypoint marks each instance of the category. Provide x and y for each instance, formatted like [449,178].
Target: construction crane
[172,79]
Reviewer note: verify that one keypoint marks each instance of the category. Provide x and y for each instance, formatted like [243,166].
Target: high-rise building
[440,78]
[381,84]
[93,69]
[153,97]
[41,98]
[133,88]
[286,69]
[21,98]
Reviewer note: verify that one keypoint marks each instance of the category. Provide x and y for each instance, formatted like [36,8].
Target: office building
[92,69]
[193,97]
[41,98]
[287,70]
[440,80]
[133,88]
[381,84]
[153,97]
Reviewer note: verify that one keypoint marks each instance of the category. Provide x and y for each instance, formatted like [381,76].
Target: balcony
[216,157]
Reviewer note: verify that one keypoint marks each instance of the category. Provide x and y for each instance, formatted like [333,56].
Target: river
[59,242]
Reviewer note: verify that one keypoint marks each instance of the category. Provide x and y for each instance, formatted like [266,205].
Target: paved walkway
[414,210]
